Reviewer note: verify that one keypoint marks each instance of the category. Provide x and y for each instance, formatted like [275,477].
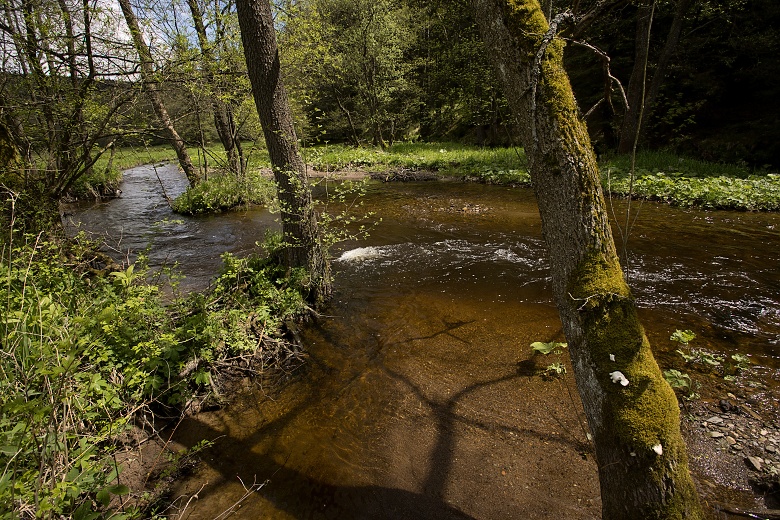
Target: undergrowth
[223,192]
[84,353]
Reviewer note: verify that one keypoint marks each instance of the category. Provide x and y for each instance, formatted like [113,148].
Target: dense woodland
[377,73]
[85,338]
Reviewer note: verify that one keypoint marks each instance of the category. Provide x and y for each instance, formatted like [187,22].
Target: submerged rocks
[740,430]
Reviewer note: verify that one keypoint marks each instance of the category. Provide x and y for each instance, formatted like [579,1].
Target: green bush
[80,354]
[83,352]
[223,192]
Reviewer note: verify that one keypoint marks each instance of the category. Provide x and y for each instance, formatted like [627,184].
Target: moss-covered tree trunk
[641,455]
[302,239]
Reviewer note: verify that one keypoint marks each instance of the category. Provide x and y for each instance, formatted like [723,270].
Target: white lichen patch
[612,357]
[658,449]
[618,377]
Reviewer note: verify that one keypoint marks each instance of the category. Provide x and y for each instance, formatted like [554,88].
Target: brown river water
[420,397]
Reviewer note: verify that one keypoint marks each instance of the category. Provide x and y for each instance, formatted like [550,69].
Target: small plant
[682,382]
[739,363]
[557,368]
[683,337]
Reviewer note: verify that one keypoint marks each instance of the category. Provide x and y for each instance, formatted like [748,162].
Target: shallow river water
[420,397]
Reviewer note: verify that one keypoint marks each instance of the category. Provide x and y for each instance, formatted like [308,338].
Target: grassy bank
[90,347]
[658,176]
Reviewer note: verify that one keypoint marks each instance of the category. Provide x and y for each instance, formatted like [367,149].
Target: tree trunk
[637,84]
[303,242]
[662,67]
[147,73]
[223,121]
[641,455]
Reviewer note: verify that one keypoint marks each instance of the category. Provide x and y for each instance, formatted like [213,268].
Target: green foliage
[341,212]
[82,353]
[444,157]
[79,354]
[223,192]
[681,382]
[248,302]
[547,348]
[708,361]
[682,336]
[690,183]
[557,368]
[346,65]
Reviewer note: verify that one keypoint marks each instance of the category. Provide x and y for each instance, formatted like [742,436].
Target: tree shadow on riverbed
[426,444]
[297,494]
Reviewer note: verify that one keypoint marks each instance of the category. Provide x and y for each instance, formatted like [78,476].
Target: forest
[257,103]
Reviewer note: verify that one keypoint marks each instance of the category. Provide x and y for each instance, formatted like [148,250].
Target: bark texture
[641,455]
[303,243]
[147,73]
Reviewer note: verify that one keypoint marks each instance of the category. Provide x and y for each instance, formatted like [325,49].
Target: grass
[660,176]
[663,161]
[685,182]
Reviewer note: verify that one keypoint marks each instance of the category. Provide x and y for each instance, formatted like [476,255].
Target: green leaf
[683,336]
[546,348]
[118,489]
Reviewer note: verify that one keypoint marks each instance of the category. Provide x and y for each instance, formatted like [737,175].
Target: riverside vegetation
[658,176]
[90,347]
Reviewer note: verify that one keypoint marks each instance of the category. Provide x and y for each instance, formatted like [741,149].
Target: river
[420,398]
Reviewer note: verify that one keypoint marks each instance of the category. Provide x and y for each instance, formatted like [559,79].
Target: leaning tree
[632,412]
[303,246]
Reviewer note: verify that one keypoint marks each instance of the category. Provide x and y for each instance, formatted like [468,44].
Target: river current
[418,371]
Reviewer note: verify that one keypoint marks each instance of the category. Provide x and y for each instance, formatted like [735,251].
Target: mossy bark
[302,238]
[640,453]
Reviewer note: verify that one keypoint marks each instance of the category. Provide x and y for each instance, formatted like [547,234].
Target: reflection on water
[418,400]
[141,220]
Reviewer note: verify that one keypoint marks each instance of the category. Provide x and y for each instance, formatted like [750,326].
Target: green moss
[646,412]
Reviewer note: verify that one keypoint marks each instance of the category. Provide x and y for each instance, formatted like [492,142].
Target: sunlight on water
[359,254]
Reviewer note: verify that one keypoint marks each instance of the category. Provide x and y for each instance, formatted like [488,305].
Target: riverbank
[657,176]
[135,349]
[99,358]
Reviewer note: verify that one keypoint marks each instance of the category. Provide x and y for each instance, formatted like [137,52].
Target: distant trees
[147,68]
[61,98]
[348,61]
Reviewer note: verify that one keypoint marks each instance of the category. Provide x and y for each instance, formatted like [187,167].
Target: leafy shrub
[224,192]
[82,353]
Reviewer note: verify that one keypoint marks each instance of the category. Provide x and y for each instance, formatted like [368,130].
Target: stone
[715,420]
[715,434]
[770,448]
[731,440]
[754,463]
